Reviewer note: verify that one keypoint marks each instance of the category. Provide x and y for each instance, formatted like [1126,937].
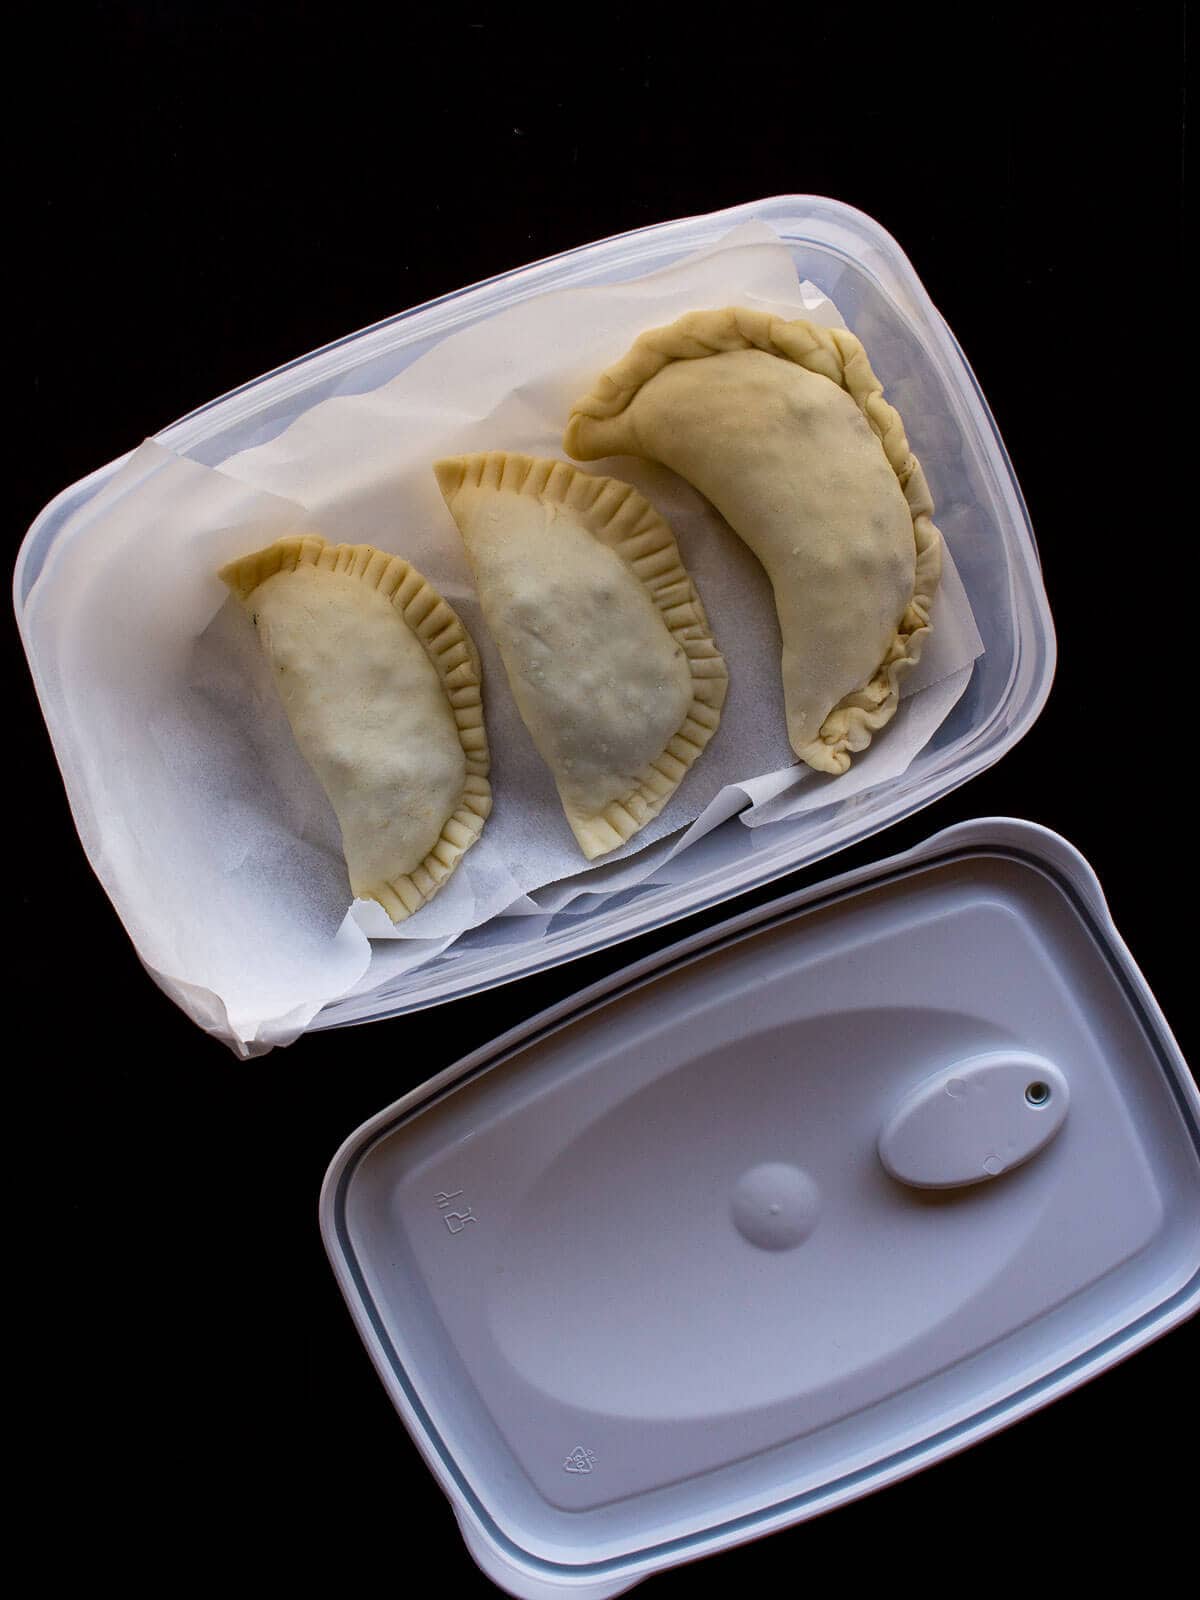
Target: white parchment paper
[208,830]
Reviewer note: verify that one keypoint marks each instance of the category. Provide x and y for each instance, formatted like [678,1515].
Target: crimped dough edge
[839,356]
[451,650]
[625,521]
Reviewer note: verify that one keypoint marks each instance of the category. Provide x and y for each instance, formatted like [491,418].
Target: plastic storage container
[816,1197]
[779,1215]
[861,267]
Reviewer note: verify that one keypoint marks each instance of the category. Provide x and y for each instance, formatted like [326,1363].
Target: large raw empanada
[600,629]
[783,426]
[381,685]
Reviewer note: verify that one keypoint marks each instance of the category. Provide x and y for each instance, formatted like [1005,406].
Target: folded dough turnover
[783,426]
[381,685]
[601,631]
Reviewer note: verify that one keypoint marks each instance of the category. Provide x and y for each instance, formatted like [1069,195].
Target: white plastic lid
[784,1213]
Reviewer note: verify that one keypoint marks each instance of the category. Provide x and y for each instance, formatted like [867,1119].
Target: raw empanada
[784,427]
[600,629]
[380,682]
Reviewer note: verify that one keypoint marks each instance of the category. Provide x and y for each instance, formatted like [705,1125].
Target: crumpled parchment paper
[209,832]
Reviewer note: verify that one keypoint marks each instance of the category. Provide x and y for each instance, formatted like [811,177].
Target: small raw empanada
[783,426]
[600,629]
[381,684]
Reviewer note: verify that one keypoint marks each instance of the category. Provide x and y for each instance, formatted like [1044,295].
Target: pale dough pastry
[381,685]
[783,426]
[601,631]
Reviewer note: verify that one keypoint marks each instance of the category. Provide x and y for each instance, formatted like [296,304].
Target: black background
[205,192]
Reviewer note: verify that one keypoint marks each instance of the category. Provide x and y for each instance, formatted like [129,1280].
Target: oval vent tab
[974,1120]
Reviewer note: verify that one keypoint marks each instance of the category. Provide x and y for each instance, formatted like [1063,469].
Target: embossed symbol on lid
[580,1460]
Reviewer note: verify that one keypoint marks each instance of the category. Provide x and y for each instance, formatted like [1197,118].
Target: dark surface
[215,190]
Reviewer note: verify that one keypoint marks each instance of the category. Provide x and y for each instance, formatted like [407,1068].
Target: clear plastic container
[863,270]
